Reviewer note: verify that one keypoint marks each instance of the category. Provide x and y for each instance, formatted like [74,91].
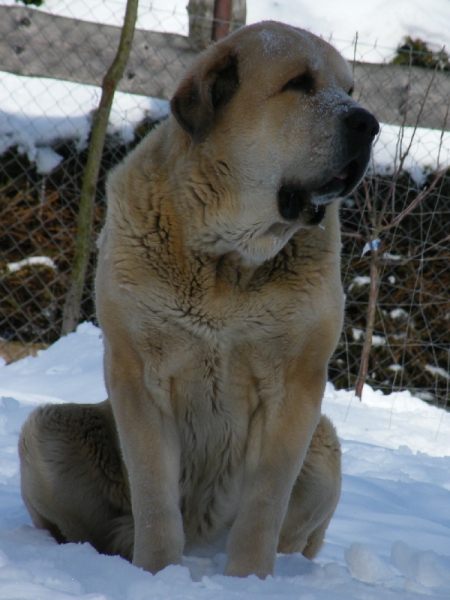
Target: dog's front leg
[151,451]
[280,434]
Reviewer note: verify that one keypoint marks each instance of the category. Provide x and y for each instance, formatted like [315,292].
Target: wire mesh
[43,153]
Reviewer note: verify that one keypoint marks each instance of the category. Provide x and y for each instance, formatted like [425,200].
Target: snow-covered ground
[389,538]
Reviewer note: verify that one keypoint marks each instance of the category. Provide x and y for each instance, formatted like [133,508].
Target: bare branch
[416,201]
[87,199]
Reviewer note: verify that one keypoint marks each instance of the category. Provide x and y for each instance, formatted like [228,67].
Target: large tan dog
[219,297]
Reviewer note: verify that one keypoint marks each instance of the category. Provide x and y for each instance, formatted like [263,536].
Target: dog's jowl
[219,297]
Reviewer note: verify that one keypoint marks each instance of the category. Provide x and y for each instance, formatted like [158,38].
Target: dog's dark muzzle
[359,130]
[362,125]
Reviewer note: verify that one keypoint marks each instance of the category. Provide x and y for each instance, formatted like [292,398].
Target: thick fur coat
[219,297]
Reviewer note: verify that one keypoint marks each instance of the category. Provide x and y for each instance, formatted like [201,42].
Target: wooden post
[212,20]
[222,18]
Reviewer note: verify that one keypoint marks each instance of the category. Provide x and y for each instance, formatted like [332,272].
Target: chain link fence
[394,259]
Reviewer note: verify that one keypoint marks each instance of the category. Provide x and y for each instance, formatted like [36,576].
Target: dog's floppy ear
[202,94]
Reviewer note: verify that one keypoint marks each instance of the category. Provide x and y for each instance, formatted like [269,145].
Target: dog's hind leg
[315,494]
[73,478]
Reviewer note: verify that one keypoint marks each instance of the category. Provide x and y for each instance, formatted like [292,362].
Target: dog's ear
[201,95]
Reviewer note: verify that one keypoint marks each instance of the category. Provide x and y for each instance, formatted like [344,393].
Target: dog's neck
[188,215]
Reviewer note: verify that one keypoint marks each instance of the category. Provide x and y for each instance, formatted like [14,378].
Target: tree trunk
[87,200]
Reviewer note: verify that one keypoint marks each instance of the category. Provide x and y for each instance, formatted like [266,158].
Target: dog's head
[272,122]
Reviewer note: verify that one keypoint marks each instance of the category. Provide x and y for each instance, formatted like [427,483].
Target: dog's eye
[351,90]
[301,83]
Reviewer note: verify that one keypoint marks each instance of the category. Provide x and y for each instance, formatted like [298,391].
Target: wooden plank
[37,44]
[395,94]
[41,45]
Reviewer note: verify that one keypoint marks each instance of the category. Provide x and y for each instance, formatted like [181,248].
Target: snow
[439,371]
[379,24]
[389,537]
[42,261]
[427,148]
[36,112]
[359,281]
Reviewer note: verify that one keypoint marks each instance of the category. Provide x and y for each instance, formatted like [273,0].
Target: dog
[219,297]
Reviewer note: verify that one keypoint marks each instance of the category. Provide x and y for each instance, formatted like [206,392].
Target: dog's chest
[218,352]
[213,420]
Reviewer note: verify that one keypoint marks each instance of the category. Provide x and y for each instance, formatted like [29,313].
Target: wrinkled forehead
[282,47]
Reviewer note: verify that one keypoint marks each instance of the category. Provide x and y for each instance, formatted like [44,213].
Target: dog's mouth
[342,184]
[310,201]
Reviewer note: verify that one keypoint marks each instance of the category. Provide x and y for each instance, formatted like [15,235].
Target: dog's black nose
[362,122]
